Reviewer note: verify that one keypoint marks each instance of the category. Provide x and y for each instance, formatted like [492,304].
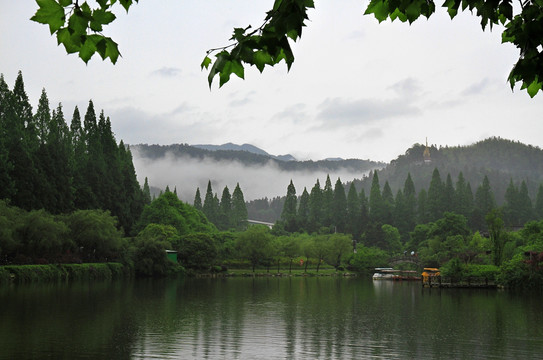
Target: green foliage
[517,274]
[80,29]
[197,251]
[95,234]
[266,45]
[167,209]
[150,247]
[254,244]
[367,259]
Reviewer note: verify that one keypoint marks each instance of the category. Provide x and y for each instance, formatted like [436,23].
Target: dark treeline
[335,209]
[46,164]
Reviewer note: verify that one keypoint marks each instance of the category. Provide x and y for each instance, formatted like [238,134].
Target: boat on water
[393,274]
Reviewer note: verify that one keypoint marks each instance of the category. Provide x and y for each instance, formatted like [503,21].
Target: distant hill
[250,155]
[245,147]
[500,159]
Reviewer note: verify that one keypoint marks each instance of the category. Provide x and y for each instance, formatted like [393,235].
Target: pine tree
[289,213]
[400,216]
[435,199]
[409,205]
[133,204]
[146,192]
[42,118]
[113,196]
[315,207]
[59,170]
[353,213]
[538,208]
[364,212]
[225,210]
[377,208]
[22,144]
[239,209]
[525,204]
[388,201]
[511,211]
[303,211]
[463,203]
[422,200]
[82,190]
[7,187]
[449,195]
[484,203]
[209,204]
[197,199]
[327,203]
[339,207]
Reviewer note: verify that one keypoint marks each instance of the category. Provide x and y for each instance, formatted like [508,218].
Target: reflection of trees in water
[243,318]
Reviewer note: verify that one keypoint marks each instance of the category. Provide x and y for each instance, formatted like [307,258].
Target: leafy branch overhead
[79,28]
[267,45]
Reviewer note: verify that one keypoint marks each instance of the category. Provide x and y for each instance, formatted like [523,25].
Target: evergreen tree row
[228,213]
[46,164]
[335,210]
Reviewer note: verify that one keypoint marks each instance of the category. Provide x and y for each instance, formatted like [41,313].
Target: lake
[266,318]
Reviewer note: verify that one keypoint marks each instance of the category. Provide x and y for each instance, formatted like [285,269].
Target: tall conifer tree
[303,211]
[7,187]
[239,209]
[339,207]
[289,213]
[353,212]
[225,210]
[315,207]
[197,199]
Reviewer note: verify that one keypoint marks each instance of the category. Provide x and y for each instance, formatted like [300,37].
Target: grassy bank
[63,272]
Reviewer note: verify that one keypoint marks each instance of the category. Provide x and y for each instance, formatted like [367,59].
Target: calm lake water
[266,318]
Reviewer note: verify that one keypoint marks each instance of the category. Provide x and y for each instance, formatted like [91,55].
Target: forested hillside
[499,159]
[249,158]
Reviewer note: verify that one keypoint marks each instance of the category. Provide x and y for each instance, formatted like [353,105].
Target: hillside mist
[186,168]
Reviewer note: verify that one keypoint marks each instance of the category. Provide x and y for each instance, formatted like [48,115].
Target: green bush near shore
[63,272]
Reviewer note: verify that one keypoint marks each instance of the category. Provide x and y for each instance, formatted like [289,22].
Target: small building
[426,154]
[172,255]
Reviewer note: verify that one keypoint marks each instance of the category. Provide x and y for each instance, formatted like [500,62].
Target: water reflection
[266,318]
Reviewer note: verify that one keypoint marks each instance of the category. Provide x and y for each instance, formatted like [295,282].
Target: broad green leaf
[205,63]
[379,9]
[103,17]
[534,88]
[230,66]
[277,4]
[88,48]
[51,13]
[112,50]
[65,38]
[65,3]
[126,4]
[217,67]
[261,58]
[77,23]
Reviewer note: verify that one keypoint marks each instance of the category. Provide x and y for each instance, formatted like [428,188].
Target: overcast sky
[357,89]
